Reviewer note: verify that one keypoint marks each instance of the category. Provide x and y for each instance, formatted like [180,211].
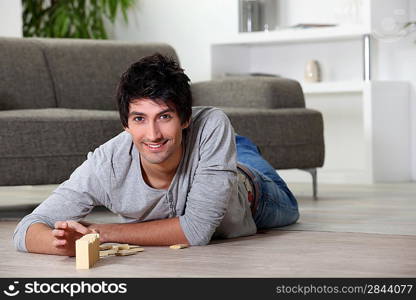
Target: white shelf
[295,35]
[360,145]
[333,87]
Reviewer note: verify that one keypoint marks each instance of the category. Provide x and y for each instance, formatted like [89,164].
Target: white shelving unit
[341,32]
[366,122]
[333,87]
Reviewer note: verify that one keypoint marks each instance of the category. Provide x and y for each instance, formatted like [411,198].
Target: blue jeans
[277,206]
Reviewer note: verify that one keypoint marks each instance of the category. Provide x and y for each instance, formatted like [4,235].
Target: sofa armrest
[288,138]
[254,92]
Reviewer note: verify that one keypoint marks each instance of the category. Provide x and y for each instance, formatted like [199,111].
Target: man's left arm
[152,233]
[214,182]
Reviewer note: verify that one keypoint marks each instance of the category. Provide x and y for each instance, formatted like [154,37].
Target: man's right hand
[66,233]
[40,238]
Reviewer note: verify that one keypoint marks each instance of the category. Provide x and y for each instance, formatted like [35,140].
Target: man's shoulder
[202,114]
[114,149]
[121,141]
[210,126]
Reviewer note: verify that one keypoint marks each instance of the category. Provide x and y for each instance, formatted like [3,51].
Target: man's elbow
[18,240]
[201,243]
[200,239]
[196,233]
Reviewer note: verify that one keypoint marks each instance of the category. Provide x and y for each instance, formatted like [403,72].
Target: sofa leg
[313,173]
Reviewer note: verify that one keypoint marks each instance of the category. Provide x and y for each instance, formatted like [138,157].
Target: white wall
[10,18]
[189,26]
[397,61]
[396,56]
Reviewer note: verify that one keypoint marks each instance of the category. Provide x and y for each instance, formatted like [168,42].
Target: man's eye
[165,117]
[138,119]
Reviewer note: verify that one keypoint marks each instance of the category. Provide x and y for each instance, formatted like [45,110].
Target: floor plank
[351,231]
[276,253]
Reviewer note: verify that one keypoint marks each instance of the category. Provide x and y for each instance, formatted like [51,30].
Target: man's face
[157,132]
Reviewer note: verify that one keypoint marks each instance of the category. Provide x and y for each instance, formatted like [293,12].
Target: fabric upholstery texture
[25,81]
[85,73]
[34,141]
[57,103]
[287,138]
[264,92]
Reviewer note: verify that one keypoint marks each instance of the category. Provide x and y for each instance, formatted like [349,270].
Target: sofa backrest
[249,92]
[86,72]
[25,80]
[66,73]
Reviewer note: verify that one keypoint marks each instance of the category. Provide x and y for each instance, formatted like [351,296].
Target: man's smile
[155,147]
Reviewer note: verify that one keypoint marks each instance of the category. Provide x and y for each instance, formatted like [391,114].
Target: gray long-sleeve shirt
[204,193]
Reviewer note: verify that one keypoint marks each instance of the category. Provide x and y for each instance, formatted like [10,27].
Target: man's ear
[127,129]
[186,124]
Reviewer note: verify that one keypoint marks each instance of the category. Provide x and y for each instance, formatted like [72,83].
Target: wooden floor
[351,231]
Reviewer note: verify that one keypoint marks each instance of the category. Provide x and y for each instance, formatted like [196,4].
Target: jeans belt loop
[251,187]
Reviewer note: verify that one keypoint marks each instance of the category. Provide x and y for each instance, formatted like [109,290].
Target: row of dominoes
[88,250]
[119,250]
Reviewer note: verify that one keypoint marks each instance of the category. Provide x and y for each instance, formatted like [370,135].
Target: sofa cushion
[44,146]
[24,77]
[86,72]
[288,138]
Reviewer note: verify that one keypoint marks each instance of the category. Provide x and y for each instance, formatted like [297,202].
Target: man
[172,175]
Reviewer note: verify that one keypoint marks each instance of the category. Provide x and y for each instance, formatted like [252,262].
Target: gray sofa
[57,103]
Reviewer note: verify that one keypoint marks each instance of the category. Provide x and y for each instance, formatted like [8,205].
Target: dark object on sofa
[57,103]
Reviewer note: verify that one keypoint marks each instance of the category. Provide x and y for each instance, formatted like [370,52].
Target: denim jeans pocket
[275,207]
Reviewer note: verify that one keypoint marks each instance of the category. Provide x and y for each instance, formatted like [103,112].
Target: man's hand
[103,230]
[66,233]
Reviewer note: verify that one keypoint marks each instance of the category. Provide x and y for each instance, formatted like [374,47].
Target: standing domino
[87,250]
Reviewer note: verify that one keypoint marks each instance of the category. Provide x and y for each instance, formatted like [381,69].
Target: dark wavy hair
[158,78]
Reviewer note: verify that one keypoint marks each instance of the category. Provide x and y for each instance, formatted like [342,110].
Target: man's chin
[153,159]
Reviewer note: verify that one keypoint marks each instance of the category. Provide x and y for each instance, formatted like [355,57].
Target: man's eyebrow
[137,113]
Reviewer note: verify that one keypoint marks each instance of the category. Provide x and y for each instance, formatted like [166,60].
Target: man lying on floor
[177,175]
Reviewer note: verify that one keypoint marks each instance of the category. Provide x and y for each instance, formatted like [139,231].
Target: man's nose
[153,133]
